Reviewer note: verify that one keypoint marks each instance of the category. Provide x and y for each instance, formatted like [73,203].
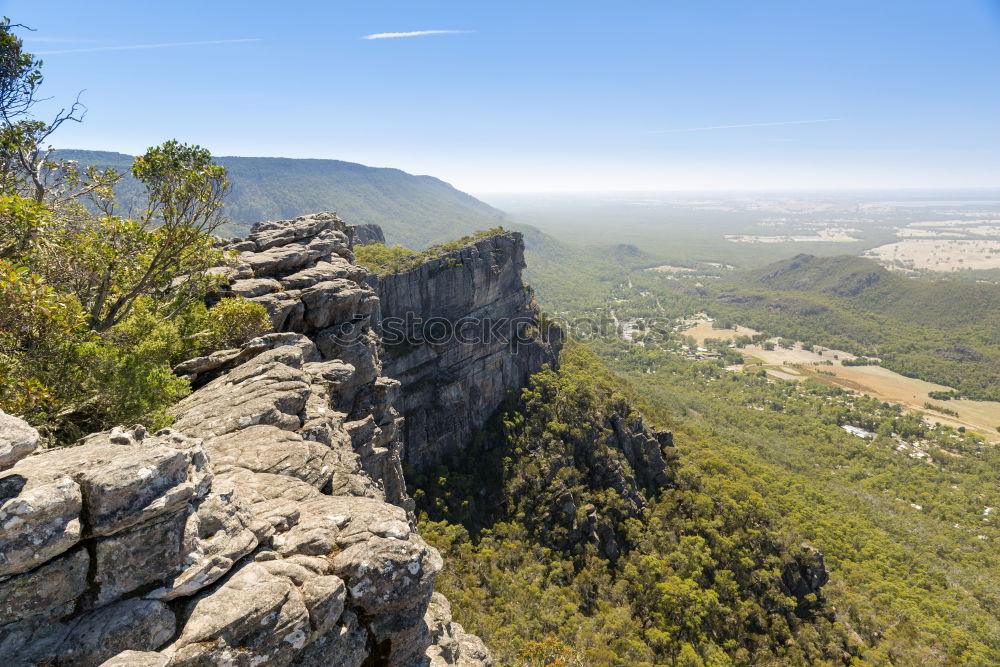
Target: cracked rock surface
[268,526]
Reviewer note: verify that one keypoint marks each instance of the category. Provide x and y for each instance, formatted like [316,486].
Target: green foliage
[698,577]
[899,518]
[384,260]
[944,395]
[22,224]
[184,186]
[20,73]
[36,325]
[234,321]
[128,376]
[940,408]
[859,361]
[109,262]
[97,309]
[69,381]
[458,244]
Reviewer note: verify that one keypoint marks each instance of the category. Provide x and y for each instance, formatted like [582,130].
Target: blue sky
[537,96]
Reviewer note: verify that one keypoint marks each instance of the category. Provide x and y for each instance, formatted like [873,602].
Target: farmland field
[938,254]
[797,363]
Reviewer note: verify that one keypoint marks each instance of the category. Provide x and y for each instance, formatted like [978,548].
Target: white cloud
[415,33]
[729,127]
[133,47]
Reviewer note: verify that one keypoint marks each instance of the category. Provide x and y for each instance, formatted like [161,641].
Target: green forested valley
[760,467]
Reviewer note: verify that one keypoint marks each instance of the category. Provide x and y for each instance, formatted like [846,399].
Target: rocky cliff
[269,526]
[459,332]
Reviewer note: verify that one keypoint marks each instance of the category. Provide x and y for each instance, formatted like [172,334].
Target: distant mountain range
[415,211]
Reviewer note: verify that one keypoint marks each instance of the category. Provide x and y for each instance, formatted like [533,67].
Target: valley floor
[824,365]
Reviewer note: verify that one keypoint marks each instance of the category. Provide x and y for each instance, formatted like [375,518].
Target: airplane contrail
[730,127]
[415,33]
[132,47]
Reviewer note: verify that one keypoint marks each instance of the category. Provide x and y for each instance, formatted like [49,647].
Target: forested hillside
[415,211]
[757,466]
[566,545]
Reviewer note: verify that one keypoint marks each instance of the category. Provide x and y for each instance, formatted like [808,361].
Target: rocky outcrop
[621,458]
[370,233]
[803,578]
[269,526]
[460,332]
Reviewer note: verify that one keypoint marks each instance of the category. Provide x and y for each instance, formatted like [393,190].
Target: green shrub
[37,328]
[234,321]
[383,260]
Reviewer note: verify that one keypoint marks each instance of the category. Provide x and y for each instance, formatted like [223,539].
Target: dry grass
[884,384]
[703,329]
[881,383]
[938,254]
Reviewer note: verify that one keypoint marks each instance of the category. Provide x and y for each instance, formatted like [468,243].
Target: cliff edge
[269,525]
[460,331]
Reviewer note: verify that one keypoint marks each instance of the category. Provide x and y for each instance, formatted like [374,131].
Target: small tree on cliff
[165,253]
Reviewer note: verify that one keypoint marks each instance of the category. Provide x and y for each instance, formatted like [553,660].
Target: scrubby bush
[37,329]
[383,260]
[234,321]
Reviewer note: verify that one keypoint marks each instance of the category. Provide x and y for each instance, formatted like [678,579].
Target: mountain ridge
[415,210]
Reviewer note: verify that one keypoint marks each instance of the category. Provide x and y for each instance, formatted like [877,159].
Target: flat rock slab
[264,390]
[269,449]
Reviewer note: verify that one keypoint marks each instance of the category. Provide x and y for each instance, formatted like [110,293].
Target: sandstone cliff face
[459,332]
[269,526]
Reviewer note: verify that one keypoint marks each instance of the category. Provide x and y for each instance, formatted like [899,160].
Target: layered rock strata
[460,332]
[269,526]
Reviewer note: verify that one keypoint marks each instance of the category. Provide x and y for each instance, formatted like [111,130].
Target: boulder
[216,536]
[253,617]
[335,269]
[266,235]
[17,440]
[252,287]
